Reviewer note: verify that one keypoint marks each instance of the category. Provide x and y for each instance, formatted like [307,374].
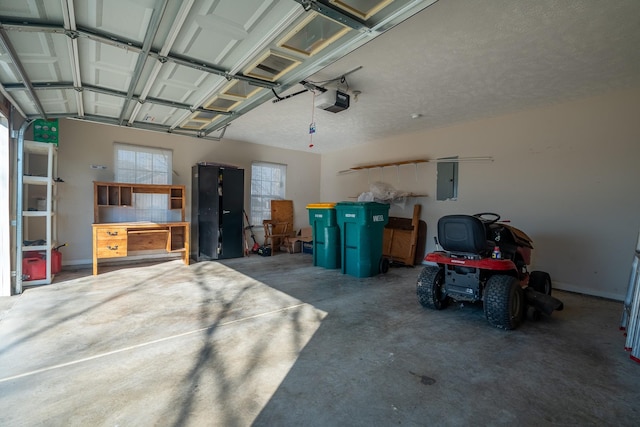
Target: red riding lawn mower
[485,260]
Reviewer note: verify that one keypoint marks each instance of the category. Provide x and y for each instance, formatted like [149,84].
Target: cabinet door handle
[225,212]
[112,233]
[112,248]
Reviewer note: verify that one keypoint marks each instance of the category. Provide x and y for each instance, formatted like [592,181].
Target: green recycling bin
[326,235]
[361,232]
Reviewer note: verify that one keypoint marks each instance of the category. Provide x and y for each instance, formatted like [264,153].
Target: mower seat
[464,234]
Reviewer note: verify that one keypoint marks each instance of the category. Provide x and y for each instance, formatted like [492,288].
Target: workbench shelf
[118,195]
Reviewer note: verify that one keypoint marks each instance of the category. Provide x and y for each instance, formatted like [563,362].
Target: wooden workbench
[115,239]
[120,239]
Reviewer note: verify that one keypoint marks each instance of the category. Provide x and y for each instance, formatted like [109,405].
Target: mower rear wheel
[540,281]
[503,301]
[429,288]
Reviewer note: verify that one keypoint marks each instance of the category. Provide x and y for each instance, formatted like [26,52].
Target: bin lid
[321,206]
[361,204]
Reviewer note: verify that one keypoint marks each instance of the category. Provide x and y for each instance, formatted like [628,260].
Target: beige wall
[567,175]
[84,144]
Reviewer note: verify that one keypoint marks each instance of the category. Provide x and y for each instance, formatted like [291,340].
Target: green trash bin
[326,235]
[361,232]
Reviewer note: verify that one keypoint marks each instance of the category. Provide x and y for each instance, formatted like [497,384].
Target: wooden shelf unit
[176,199]
[119,194]
[122,239]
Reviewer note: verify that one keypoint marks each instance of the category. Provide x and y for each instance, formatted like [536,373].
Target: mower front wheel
[504,302]
[429,288]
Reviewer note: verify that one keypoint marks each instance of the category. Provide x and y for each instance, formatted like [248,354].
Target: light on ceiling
[416,115]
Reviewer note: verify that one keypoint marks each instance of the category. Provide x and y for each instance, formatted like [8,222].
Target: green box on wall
[45,131]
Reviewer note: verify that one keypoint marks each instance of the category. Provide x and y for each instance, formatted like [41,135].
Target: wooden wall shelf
[406,195]
[384,165]
[414,162]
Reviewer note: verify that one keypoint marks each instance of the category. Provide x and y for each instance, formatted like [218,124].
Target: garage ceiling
[183,66]
[194,67]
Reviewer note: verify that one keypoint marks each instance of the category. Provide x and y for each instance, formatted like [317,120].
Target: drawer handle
[112,233]
[112,248]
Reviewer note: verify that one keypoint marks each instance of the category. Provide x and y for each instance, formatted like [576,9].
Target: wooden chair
[276,233]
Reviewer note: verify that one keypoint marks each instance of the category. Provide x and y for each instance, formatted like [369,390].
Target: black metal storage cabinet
[217,197]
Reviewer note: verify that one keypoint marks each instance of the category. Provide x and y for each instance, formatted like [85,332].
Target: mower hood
[519,236]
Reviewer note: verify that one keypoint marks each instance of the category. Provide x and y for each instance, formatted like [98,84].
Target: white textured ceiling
[462,60]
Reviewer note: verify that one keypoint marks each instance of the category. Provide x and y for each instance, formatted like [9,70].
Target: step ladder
[630,321]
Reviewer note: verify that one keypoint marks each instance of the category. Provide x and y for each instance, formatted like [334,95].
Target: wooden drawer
[115,247]
[111,242]
[109,233]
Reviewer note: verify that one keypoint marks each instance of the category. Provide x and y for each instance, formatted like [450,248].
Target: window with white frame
[143,165]
[268,182]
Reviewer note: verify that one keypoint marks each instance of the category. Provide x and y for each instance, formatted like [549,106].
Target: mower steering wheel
[495,217]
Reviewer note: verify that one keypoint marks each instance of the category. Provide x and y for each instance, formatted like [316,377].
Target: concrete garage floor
[277,342]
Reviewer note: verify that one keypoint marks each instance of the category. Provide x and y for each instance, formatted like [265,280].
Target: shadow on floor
[276,341]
